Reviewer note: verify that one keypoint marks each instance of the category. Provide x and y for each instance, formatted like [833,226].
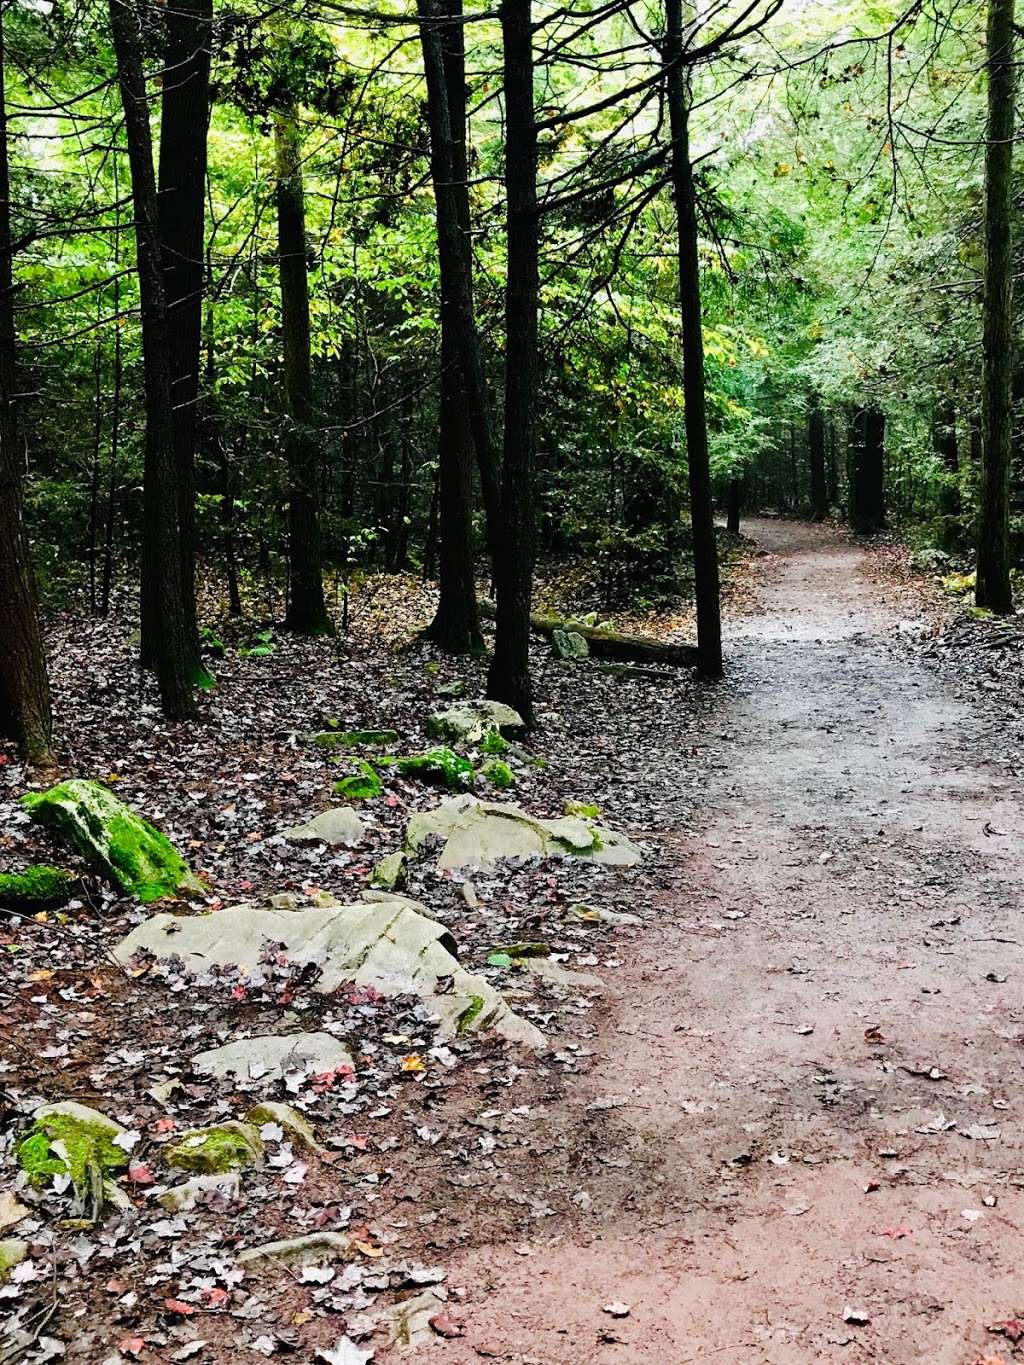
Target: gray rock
[389,872]
[570,645]
[201,1189]
[557,975]
[340,825]
[594,914]
[13,1250]
[272,1057]
[387,944]
[310,1250]
[468,722]
[480,833]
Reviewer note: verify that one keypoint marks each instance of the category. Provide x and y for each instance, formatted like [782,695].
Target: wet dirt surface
[801,1138]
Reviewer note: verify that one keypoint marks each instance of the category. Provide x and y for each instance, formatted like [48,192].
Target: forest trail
[804,1104]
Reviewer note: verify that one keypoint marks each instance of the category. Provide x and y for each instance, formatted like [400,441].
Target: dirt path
[759,1146]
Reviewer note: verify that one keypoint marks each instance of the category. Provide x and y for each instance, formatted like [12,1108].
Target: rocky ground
[772,1122]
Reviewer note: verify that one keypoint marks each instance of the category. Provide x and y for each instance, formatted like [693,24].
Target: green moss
[470,1014]
[36,887]
[114,839]
[442,766]
[389,872]
[363,785]
[495,743]
[582,810]
[66,1144]
[355,739]
[499,774]
[229,1146]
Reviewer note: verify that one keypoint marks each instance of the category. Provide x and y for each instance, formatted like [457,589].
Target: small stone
[296,1126]
[201,1188]
[340,825]
[390,871]
[308,1250]
[468,722]
[228,1146]
[272,1057]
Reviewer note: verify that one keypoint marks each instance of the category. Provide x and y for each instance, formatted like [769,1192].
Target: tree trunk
[816,454]
[944,438]
[161,565]
[733,502]
[705,550]
[867,470]
[24,688]
[509,676]
[612,644]
[307,611]
[993,588]
[184,119]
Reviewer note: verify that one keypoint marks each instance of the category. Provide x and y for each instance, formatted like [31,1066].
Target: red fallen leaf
[215,1297]
[1010,1328]
[391,801]
[132,1346]
[164,1126]
[238,993]
[901,1230]
[445,1326]
[140,1174]
[358,1141]
[326,1079]
[114,1287]
[183,1310]
[245,886]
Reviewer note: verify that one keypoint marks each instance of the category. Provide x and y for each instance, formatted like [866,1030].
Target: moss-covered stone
[295,1126]
[498,773]
[13,1250]
[114,839]
[37,888]
[355,739]
[470,722]
[362,785]
[494,742]
[582,811]
[71,1139]
[470,1014]
[229,1146]
[390,871]
[441,766]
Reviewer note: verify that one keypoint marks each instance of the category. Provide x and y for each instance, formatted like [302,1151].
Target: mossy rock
[229,1146]
[362,785]
[37,888]
[581,810]
[498,773]
[390,871]
[442,767]
[355,739]
[128,850]
[71,1139]
[296,1126]
[470,722]
[495,743]
[13,1250]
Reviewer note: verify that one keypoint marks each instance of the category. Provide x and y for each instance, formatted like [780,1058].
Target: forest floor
[783,1131]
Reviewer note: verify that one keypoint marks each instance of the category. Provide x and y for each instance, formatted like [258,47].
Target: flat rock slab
[313,1249]
[273,1056]
[340,825]
[480,833]
[385,943]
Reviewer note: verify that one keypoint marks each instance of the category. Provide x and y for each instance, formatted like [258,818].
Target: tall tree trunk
[702,520]
[184,119]
[307,611]
[215,445]
[816,454]
[946,447]
[24,688]
[464,415]
[509,676]
[115,432]
[161,564]
[867,470]
[993,588]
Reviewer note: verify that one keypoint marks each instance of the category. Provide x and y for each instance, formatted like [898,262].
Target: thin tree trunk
[161,566]
[115,434]
[456,625]
[94,478]
[993,588]
[733,501]
[509,676]
[307,611]
[184,119]
[816,454]
[702,520]
[215,445]
[946,447]
[25,713]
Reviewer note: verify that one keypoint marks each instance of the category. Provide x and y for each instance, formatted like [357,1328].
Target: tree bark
[25,714]
[993,588]
[946,447]
[702,520]
[307,611]
[733,503]
[161,564]
[867,470]
[509,676]
[184,120]
[816,453]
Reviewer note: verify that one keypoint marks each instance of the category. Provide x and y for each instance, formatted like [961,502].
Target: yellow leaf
[368,1249]
[43,974]
[413,1063]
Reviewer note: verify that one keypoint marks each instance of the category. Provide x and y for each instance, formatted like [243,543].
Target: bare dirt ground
[800,1138]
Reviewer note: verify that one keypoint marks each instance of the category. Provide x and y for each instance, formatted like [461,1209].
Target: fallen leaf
[898,1232]
[413,1063]
[445,1326]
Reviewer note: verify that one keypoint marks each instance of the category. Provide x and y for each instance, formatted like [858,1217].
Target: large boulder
[468,722]
[480,833]
[387,943]
[340,825]
[273,1057]
[128,850]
